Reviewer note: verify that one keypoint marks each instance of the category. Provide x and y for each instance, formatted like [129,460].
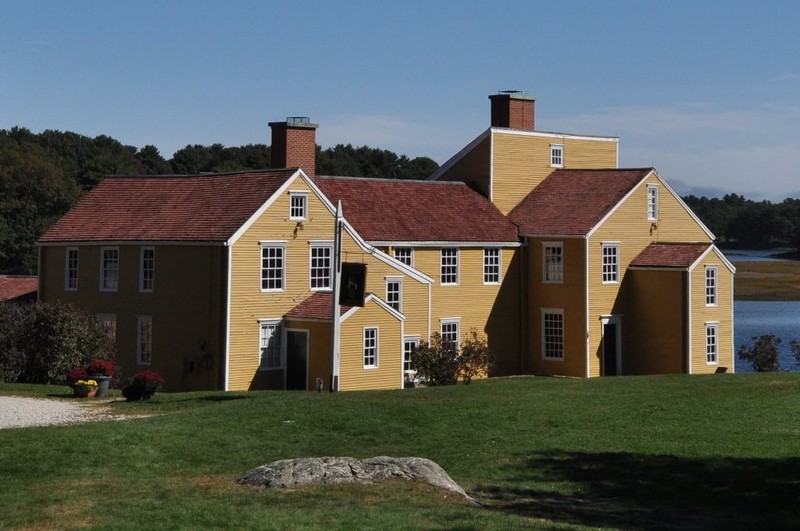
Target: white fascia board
[463,245]
[619,204]
[377,300]
[153,243]
[458,156]
[713,248]
[263,208]
[685,207]
[555,236]
[558,136]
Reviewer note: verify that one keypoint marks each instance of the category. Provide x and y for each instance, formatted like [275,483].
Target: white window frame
[552,344]
[370,347]
[270,355]
[147,269]
[71,268]
[405,255]
[450,327]
[273,247]
[557,155]
[492,260]
[552,270]
[394,292]
[711,285]
[108,282]
[712,343]
[449,266]
[652,202]
[410,343]
[298,206]
[609,262]
[144,340]
[320,276]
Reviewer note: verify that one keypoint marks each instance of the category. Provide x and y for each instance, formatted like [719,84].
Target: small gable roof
[319,306]
[193,208]
[388,210]
[573,202]
[670,255]
[18,287]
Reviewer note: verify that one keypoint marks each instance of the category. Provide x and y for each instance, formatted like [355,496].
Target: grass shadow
[638,491]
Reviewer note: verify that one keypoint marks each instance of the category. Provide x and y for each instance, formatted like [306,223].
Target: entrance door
[297,359]
[612,351]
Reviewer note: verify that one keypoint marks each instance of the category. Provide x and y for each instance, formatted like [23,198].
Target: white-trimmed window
[394,293]
[269,339]
[71,269]
[610,263]
[410,344]
[144,340]
[449,267]
[450,334]
[320,266]
[712,345]
[147,269]
[552,334]
[405,255]
[109,268]
[108,322]
[711,285]
[298,206]
[491,266]
[273,266]
[552,262]
[557,155]
[652,202]
[370,347]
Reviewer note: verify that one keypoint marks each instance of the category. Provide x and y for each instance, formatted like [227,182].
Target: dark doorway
[296,359]
[610,349]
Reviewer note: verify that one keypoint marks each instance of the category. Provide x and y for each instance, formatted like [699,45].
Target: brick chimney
[512,109]
[294,144]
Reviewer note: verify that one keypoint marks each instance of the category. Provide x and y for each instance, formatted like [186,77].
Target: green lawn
[669,452]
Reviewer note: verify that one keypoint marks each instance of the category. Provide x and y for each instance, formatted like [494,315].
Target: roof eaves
[449,163]
[619,203]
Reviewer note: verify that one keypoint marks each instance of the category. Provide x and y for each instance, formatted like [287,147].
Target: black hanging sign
[353,284]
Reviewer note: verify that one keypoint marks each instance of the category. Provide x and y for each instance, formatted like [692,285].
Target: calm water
[756,318]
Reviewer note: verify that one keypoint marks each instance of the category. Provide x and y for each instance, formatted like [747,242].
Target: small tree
[795,344]
[475,358]
[436,364]
[763,355]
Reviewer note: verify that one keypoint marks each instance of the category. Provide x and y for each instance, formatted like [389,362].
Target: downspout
[586,302]
[524,297]
[227,324]
[733,331]
[688,321]
[430,316]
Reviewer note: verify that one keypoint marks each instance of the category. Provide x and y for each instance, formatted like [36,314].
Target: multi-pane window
[450,336]
[410,344]
[711,286]
[108,322]
[557,155]
[272,267]
[405,255]
[610,263]
[553,334]
[320,271]
[449,266]
[144,340]
[147,269]
[491,266]
[711,343]
[394,293]
[553,263]
[109,269]
[370,348]
[652,202]
[71,269]
[269,356]
[298,205]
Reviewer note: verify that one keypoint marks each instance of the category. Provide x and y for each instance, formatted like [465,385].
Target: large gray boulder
[289,473]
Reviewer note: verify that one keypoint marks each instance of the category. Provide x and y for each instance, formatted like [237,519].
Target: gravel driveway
[19,412]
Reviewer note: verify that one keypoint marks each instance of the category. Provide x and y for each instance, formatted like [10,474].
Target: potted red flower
[142,386]
[74,376]
[101,370]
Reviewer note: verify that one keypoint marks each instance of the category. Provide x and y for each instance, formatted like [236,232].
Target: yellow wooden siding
[319,349]
[567,296]
[388,374]
[473,168]
[721,313]
[185,307]
[521,162]
[674,223]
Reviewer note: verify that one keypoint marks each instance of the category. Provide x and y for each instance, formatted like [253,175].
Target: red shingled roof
[572,202]
[317,306]
[167,208]
[387,210]
[678,255]
[13,287]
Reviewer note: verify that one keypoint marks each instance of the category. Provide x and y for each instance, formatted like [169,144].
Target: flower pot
[85,392]
[102,382]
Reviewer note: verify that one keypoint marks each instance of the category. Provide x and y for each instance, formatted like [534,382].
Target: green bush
[475,358]
[763,354]
[42,342]
[440,363]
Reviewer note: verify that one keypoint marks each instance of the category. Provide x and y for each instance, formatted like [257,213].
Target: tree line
[42,175]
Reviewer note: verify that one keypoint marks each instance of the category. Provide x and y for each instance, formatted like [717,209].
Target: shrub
[441,364]
[142,386]
[763,355]
[475,358]
[100,367]
[795,345]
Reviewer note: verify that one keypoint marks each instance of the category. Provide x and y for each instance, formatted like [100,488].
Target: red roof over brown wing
[677,255]
[387,210]
[193,208]
[16,287]
[573,202]
[318,306]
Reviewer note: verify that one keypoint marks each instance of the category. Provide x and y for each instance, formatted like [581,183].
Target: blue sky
[708,92]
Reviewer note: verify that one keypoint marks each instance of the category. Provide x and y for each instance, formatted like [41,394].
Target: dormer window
[557,155]
[298,206]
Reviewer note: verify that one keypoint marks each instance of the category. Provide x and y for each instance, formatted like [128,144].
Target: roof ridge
[386,180]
